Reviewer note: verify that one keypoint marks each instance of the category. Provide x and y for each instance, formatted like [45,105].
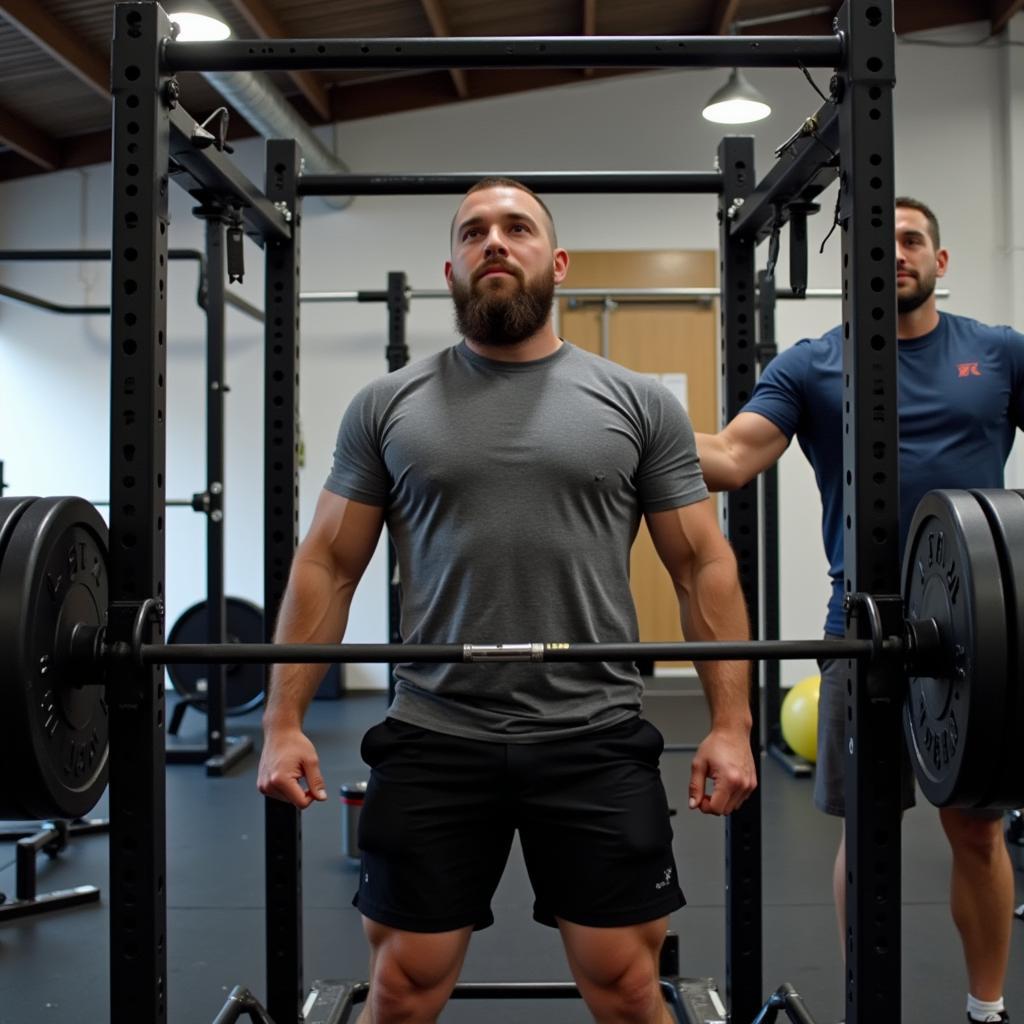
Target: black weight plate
[1005,513]
[951,573]
[243,684]
[53,732]
[10,512]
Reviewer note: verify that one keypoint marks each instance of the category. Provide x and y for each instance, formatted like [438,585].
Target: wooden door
[652,336]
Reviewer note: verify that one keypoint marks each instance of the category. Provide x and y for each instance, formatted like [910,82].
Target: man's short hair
[915,204]
[496,182]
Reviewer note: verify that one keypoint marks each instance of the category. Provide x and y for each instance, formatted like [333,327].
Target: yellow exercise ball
[799,718]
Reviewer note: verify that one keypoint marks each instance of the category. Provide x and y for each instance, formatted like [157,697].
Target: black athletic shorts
[440,813]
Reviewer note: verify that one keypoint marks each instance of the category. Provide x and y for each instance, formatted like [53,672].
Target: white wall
[951,123]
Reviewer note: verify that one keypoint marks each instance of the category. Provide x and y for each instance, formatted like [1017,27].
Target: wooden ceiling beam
[724,16]
[29,141]
[262,20]
[31,19]
[589,26]
[1001,11]
[432,89]
[909,18]
[936,14]
[439,26]
[93,148]
[803,25]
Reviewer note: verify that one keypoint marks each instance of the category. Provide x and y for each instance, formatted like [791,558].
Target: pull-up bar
[482,52]
[551,182]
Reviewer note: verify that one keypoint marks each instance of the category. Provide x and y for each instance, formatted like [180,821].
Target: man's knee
[972,834]
[617,969]
[412,974]
[398,994]
[631,996]
[639,999]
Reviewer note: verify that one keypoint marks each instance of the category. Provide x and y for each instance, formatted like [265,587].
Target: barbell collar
[85,647]
[925,653]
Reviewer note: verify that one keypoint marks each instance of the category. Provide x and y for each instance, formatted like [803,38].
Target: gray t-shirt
[513,493]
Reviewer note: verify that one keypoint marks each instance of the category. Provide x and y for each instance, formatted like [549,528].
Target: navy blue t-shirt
[961,398]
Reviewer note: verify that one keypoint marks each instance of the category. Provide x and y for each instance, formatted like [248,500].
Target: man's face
[503,269]
[918,263]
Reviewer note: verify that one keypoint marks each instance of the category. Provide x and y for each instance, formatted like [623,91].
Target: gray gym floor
[54,967]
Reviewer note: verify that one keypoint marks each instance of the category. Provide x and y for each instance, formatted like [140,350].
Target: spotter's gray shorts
[830,773]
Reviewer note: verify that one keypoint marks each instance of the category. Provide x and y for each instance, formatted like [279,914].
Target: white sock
[978,1009]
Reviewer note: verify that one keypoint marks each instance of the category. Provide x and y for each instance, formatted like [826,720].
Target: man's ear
[941,262]
[448,273]
[560,260]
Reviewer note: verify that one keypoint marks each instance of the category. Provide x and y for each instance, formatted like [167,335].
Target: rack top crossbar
[578,182]
[487,52]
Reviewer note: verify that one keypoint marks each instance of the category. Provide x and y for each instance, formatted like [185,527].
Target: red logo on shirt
[968,370]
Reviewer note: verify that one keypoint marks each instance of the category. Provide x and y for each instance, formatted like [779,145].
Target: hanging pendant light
[198,21]
[737,102]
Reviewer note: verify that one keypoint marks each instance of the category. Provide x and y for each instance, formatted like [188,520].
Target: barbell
[963,591]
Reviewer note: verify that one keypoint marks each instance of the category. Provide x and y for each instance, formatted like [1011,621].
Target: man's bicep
[755,443]
[345,532]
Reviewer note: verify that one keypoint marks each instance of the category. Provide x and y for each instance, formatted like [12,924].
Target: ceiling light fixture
[198,22]
[737,102]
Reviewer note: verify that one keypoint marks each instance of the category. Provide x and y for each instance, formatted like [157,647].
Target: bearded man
[512,470]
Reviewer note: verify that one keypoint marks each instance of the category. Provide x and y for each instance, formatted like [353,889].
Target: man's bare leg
[412,974]
[981,897]
[617,970]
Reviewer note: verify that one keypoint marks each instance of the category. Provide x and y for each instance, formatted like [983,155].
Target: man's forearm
[314,610]
[714,610]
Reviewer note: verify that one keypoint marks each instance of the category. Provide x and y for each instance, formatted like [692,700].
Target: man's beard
[919,296]
[494,318]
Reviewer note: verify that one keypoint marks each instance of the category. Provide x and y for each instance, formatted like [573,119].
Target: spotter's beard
[925,286]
